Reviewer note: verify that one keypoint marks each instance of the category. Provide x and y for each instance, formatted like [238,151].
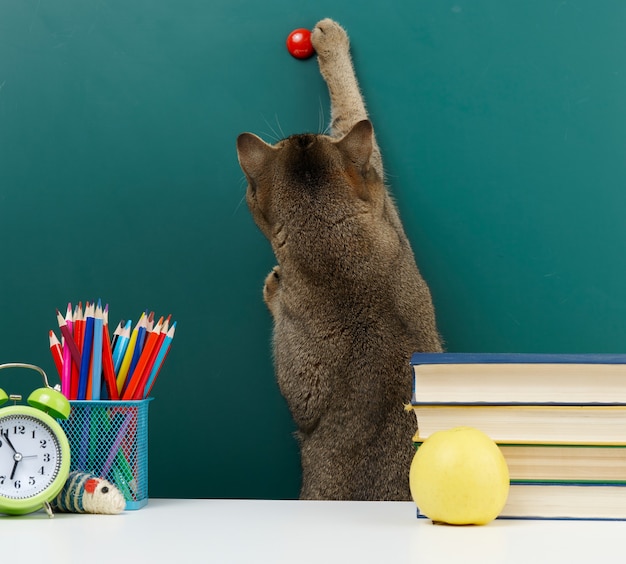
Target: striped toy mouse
[85,493]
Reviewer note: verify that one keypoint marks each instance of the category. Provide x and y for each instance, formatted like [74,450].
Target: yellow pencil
[128,356]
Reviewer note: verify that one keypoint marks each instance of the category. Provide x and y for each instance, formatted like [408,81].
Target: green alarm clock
[34,450]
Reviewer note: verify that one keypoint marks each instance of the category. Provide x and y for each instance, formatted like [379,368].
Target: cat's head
[309,192]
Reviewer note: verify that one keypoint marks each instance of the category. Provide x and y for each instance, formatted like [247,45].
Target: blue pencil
[96,366]
[85,360]
[165,347]
[120,346]
[118,329]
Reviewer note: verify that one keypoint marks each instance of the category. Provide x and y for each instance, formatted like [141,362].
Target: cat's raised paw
[271,286]
[328,37]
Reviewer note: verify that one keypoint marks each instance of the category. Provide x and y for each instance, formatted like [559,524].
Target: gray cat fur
[348,302]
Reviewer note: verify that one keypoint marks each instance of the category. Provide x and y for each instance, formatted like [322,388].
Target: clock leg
[48,509]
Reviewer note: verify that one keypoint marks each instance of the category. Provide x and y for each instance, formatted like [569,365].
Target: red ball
[299,43]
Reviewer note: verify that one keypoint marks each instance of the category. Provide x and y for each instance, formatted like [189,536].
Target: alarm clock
[34,450]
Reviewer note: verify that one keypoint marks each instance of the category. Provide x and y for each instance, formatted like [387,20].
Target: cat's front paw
[329,38]
[271,286]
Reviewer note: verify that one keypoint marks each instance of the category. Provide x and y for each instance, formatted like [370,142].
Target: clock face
[30,456]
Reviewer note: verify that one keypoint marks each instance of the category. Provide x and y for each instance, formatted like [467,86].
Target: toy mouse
[85,493]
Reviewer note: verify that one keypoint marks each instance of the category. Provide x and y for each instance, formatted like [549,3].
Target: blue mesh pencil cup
[110,439]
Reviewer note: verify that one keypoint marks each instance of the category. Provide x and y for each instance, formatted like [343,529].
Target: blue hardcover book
[597,502]
[519,379]
[517,358]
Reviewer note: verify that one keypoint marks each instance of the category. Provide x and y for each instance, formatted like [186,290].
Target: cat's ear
[358,144]
[253,154]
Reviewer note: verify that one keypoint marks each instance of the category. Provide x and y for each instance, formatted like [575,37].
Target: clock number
[19,430]
[17,484]
[2,479]
[46,457]
[42,443]
[31,480]
[33,434]
[41,471]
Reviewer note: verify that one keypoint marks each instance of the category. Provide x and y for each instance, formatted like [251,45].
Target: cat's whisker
[322,127]
[320,111]
[282,133]
[274,136]
[242,183]
[271,136]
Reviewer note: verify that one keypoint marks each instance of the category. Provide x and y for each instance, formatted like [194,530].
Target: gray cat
[348,302]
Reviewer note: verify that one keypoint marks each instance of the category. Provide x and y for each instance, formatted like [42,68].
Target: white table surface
[298,532]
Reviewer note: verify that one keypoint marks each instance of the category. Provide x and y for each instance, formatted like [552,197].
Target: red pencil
[144,358]
[155,352]
[57,353]
[107,358]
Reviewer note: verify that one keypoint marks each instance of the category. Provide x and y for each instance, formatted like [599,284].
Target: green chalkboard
[502,124]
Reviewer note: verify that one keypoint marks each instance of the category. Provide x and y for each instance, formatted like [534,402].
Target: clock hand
[16,455]
[6,438]
[14,469]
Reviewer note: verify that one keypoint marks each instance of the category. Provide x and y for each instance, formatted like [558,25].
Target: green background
[502,125]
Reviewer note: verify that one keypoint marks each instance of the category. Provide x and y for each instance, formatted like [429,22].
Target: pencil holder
[110,439]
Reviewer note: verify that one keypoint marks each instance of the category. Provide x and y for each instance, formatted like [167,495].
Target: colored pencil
[69,338]
[78,331]
[86,352]
[96,365]
[93,366]
[117,443]
[160,359]
[164,329]
[56,351]
[118,329]
[139,345]
[107,358]
[66,375]
[84,428]
[139,392]
[121,345]
[121,376]
[146,353]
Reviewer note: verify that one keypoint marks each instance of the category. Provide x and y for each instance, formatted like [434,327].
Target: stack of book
[560,421]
